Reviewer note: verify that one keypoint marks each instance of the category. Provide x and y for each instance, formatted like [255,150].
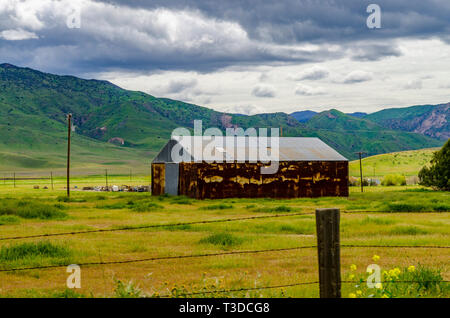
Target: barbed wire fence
[101,179]
[320,248]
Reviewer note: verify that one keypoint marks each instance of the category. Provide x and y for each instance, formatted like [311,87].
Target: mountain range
[114,126]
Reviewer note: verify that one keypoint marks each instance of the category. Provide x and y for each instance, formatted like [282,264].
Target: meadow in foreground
[380,216]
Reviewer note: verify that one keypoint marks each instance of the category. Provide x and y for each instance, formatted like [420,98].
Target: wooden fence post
[327,227]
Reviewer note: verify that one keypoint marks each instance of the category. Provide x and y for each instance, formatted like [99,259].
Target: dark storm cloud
[201,35]
[291,21]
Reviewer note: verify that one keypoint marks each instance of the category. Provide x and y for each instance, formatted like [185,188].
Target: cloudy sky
[247,56]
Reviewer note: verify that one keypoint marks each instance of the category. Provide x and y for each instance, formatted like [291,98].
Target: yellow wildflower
[353,267]
[385,296]
[379,285]
[358,292]
[351,295]
[351,276]
[411,269]
[375,258]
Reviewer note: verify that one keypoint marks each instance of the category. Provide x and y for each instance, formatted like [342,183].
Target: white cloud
[313,73]
[357,76]
[414,84]
[263,91]
[243,109]
[17,35]
[308,90]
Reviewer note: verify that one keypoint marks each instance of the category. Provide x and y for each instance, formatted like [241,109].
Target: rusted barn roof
[205,148]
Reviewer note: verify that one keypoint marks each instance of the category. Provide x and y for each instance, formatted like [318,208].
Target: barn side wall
[294,179]
[158,178]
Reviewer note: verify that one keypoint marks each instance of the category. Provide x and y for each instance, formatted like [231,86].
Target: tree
[437,174]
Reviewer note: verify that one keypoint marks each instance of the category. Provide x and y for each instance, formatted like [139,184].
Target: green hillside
[406,163]
[428,120]
[350,134]
[117,127]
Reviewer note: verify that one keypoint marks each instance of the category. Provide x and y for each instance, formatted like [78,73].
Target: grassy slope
[359,134]
[399,113]
[406,163]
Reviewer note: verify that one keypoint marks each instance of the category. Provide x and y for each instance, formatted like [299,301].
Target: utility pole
[360,153]
[106,176]
[69,129]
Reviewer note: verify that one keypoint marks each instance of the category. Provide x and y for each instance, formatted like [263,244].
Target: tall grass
[31,209]
[145,206]
[281,208]
[220,206]
[222,240]
[393,179]
[9,219]
[41,249]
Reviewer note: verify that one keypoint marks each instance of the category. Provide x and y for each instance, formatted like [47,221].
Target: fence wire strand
[128,228]
[165,258]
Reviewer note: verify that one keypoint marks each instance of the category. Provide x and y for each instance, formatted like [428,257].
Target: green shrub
[408,230]
[393,179]
[41,249]
[406,207]
[9,219]
[146,206]
[217,207]
[181,199]
[31,209]
[67,199]
[281,208]
[222,239]
[441,208]
[437,175]
[113,206]
[377,221]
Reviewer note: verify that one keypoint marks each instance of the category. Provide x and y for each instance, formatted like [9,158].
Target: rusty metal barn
[307,168]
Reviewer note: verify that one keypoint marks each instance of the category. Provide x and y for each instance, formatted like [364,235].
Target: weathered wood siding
[158,178]
[293,179]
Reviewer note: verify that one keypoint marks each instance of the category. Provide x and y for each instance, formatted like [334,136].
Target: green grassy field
[407,163]
[381,216]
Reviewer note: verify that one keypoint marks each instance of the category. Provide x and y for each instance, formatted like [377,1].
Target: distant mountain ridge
[33,108]
[428,120]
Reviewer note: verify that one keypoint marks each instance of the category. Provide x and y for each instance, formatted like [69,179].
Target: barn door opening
[171,180]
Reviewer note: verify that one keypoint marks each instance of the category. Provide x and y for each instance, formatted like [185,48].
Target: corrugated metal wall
[158,178]
[293,179]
